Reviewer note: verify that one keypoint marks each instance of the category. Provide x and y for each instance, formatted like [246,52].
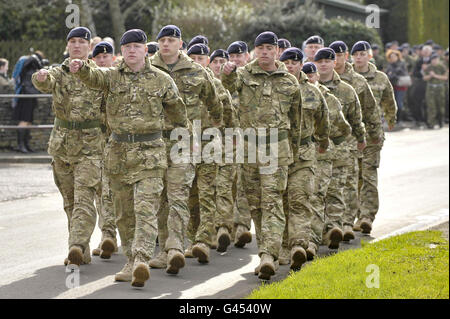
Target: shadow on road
[50,282]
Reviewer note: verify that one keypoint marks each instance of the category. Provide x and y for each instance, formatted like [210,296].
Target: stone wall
[43,114]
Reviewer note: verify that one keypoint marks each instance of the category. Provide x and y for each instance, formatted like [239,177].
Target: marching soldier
[269,97]
[298,206]
[76,144]
[384,96]
[140,98]
[202,103]
[372,122]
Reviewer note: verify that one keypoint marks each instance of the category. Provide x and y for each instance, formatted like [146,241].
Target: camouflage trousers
[324,173]
[351,190]
[297,206]
[264,193]
[136,206]
[202,204]
[368,195]
[105,208]
[225,195]
[173,216]
[242,215]
[435,99]
[78,184]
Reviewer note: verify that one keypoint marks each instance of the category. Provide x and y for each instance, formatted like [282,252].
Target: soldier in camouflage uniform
[436,76]
[140,99]
[297,201]
[329,199]
[226,173]
[351,108]
[199,93]
[374,131]
[384,95]
[269,98]
[239,55]
[75,143]
[103,56]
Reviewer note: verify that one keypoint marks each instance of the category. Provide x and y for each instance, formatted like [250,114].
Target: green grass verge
[411,266]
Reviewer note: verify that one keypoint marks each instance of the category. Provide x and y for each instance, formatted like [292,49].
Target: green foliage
[220,21]
[297,22]
[411,266]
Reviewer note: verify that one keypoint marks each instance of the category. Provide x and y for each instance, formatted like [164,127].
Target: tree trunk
[118,21]
[89,20]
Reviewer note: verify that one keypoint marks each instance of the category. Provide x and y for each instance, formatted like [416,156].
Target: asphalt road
[414,187]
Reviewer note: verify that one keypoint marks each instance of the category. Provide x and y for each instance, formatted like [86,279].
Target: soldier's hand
[42,75]
[76,65]
[229,67]
[391,127]
[361,146]
[321,150]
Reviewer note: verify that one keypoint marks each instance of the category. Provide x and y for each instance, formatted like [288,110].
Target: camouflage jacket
[138,103]
[370,111]
[196,88]
[350,105]
[314,113]
[73,101]
[384,93]
[439,69]
[268,100]
[339,127]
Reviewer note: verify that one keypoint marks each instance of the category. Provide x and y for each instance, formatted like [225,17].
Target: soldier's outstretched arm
[45,80]
[231,81]
[211,99]
[174,107]
[92,76]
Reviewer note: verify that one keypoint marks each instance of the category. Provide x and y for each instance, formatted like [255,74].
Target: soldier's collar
[253,67]
[303,77]
[123,67]
[184,62]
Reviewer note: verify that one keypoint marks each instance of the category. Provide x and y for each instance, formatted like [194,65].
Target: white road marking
[87,289]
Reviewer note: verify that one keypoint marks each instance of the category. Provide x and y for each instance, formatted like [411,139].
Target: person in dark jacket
[396,69]
[23,112]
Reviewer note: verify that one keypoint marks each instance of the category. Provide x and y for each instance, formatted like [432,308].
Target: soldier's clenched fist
[76,65]
[42,75]
[229,67]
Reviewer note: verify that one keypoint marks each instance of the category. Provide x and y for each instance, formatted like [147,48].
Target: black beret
[433,56]
[361,46]
[315,39]
[325,53]
[238,47]
[133,35]
[267,37]
[284,44]
[446,52]
[199,49]
[80,32]
[429,42]
[292,54]
[153,47]
[309,68]
[437,47]
[339,47]
[388,45]
[102,47]
[375,47]
[169,31]
[198,39]
[406,45]
[219,53]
